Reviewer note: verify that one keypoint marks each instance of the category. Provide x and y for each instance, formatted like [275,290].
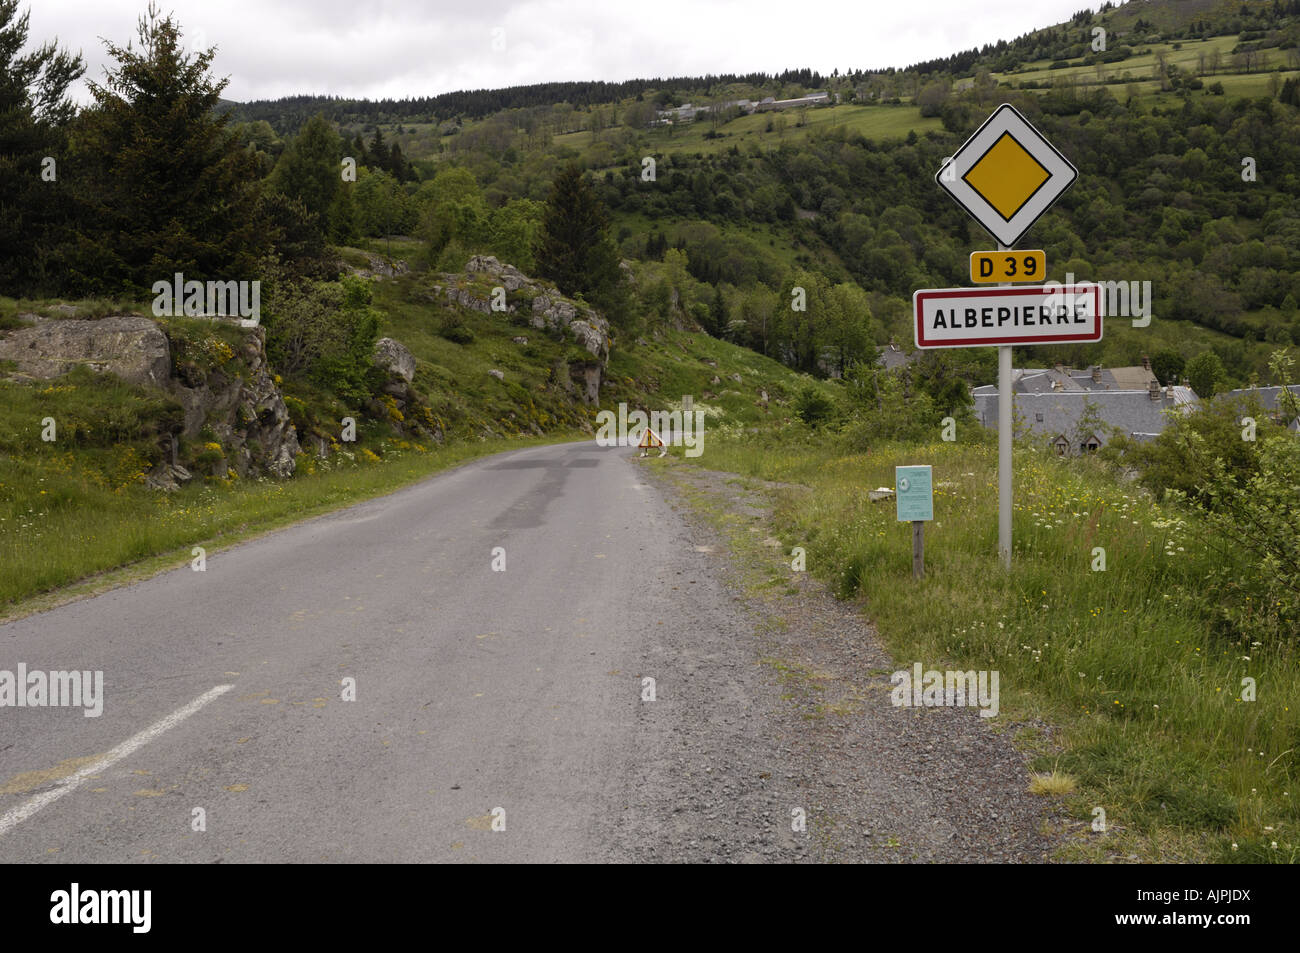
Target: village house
[892,357]
[688,113]
[1050,404]
[1271,398]
[812,99]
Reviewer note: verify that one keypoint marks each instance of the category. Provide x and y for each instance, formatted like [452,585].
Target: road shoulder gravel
[776,708]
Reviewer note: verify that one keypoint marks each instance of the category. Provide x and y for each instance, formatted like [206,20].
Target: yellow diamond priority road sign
[1007,175]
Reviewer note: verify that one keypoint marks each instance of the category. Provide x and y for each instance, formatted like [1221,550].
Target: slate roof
[1056,380]
[1268,396]
[891,356]
[1127,378]
[1131,411]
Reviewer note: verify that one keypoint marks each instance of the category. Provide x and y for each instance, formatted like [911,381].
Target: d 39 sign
[996,266]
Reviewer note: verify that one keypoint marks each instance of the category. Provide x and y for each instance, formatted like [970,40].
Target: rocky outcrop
[132,347]
[234,402]
[378,267]
[386,268]
[397,403]
[167,477]
[549,310]
[393,357]
[511,278]
[245,411]
[590,376]
[468,299]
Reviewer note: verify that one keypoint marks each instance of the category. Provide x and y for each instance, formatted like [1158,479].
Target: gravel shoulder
[776,705]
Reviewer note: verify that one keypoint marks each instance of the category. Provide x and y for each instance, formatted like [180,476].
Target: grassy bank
[1152,725]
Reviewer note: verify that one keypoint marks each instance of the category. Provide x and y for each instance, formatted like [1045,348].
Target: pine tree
[34,113]
[342,216]
[162,185]
[309,168]
[378,156]
[575,249]
[573,224]
[717,314]
[398,165]
[656,246]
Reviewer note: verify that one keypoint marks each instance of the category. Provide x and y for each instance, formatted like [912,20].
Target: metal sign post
[918,549]
[1004,445]
[914,500]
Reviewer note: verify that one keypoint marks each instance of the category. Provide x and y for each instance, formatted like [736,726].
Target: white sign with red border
[1035,314]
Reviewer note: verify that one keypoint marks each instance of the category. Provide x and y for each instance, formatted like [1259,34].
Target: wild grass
[1148,701]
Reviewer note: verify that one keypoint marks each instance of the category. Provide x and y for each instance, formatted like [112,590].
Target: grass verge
[1153,727]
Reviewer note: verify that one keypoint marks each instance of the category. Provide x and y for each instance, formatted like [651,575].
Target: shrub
[322,330]
[813,407]
[453,328]
[1181,457]
[884,409]
[1259,519]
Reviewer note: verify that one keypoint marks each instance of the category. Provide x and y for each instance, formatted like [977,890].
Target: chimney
[1153,388]
[1146,363]
[1096,373]
[1169,392]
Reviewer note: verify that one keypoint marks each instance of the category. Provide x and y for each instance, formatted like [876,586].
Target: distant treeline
[289,113]
[1061,43]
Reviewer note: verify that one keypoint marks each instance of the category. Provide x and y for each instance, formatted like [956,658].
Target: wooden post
[918,548]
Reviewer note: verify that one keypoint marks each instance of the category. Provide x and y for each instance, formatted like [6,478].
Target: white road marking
[66,786]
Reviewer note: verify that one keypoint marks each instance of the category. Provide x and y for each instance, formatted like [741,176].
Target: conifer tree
[398,165]
[162,185]
[34,112]
[309,168]
[378,156]
[574,227]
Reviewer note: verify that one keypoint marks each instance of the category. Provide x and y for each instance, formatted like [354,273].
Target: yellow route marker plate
[995,267]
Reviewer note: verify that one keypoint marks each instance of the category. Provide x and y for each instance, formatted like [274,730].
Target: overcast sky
[400,48]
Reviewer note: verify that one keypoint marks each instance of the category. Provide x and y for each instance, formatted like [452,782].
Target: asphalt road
[475,689]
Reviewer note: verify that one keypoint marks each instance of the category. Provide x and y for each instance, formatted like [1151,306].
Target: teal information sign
[914,493]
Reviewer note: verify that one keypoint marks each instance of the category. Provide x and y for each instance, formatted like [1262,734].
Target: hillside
[91,500]
[1159,122]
